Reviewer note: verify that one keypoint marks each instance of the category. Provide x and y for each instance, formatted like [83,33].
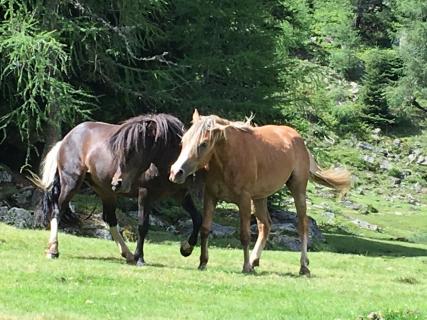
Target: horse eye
[203,145]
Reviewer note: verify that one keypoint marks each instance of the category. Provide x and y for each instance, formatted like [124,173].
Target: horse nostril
[180,173]
[116,185]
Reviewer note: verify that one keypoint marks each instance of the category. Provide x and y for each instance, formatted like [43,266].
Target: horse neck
[165,155]
[226,148]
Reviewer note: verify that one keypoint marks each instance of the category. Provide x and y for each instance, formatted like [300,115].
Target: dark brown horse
[132,158]
[245,165]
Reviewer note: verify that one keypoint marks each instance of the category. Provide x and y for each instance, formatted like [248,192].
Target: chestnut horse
[132,158]
[247,164]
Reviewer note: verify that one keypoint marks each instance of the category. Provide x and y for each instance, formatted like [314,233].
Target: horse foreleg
[143,225]
[109,216]
[188,246]
[264,226]
[208,207]
[245,231]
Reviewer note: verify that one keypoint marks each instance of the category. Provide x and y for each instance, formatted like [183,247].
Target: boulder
[217,231]
[18,217]
[366,225]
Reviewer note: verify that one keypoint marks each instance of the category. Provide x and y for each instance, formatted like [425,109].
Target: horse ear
[196,116]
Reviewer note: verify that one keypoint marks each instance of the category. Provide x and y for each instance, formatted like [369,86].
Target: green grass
[90,281]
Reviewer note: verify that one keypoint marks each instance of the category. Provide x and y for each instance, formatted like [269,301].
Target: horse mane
[208,124]
[140,133]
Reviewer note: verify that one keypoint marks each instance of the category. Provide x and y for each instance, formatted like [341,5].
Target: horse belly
[273,171]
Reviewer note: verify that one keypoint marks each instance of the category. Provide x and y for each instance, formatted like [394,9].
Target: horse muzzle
[178,176]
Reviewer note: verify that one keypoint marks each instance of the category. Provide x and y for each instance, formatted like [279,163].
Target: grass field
[90,281]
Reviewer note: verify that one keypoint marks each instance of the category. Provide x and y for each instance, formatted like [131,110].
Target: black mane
[144,132]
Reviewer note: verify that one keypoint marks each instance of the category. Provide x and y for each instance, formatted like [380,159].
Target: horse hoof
[186,249]
[52,255]
[202,267]
[248,269]
[304,271]
[255,263]
[140,263]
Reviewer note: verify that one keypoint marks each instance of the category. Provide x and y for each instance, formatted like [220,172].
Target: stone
[219,231]
[282,240]
[412,200]
[5,176]
[23,197]
[351,205]
[385,165]
[412,157]
[368,159]
[422,160]
[285,219]
[18,217]
[376,131]
[366,146]
[330,216]
[397,142]
[366,225]
[417,187]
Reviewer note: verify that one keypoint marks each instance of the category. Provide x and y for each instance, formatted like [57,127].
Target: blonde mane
[214,128]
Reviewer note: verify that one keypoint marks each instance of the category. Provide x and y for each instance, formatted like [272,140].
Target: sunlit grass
[90,281]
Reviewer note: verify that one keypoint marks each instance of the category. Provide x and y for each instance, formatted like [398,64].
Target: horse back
[86,148]
[262,160]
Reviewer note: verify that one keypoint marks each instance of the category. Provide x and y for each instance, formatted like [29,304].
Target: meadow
[90,281]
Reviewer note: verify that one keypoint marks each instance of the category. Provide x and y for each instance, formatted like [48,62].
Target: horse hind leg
[143,225]
[298,185]
[264,227]
[64,188]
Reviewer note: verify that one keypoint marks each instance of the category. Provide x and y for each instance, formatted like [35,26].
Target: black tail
[50,200]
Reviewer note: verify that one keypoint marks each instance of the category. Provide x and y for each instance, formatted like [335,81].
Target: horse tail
[48,169]
[49,183]
[335,178]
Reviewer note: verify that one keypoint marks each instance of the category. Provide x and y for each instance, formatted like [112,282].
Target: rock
[288,228]
[412,200]
[370,209]
[330,216]
[365,146]
[23,197]
[219,230]
[376,131]
[287,222]
[397,142]
[417,187]
[3,212]
[5,176]
[155,221]
[369,159]
[102,234]
[282,240]
[17,217]
[376,134]
[351,205]
[385,165]
[395,181]
[422,160]
[412,157]
[375,316]
[366,225]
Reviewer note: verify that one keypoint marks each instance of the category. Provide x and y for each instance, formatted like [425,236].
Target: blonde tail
[336,178]
[48,169]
